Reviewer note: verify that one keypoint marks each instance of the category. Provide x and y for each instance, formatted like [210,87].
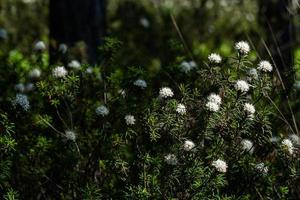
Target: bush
[195,129]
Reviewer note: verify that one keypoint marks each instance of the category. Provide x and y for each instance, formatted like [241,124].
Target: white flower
[187,66]
[59,72]
[214,98]
[70,135]
[22,100]
[140,83]
[188,145]
[171,159]
[3,34]
[295,139]
[102,110]
[40,46]
[242,86]
[35,73]
[20,87]
[74,64]
[144,22]
[181,109]
[122,92]
[262,168]
[249,109]
[130,120]
[166,92]
[253,73]
[215,58]
[211,106]
[63,48]
[242,47]
[247,145]
[220,165]
[288,146]
[265,66]
[29,87]
[89,70]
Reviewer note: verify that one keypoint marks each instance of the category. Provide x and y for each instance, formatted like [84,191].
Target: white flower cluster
[63,48]
[22,100]
[220,165]
[35,73]
[70,135]
[140,83]
[250,110]
[214,102]
[181,109]
[171,159]
[295,139]
[262,168]
[59,72]
[165,92]
[288,146]
[187,66]
[144,22]
[242,86]
[188,145]
[242,47]
[215,58]
[74,64]
[252,73]
[265,66]
[247,145]
[102,111]
[40,46]
[129,119]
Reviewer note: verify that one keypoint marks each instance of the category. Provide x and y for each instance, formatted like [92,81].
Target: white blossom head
[214,98]
[242,47]
[70,135]
[211,106]
[187,66]
[40,46]
[89,70]
[220,165]
[287,146]
[35,73]
[242,86]
[59,72]
[74,64]
[171,159]
[181,109]
[20,87]
[140,83]
[122,92]
[188,145]
[215,58]
[102,111]
[129,119]
[252,73]
[63,48]
[295,139]
[29,87]
[249,109]
[144,22]
[262,168]
[22,100]
[165,92]
[3,34]
[247,145]
[265,66]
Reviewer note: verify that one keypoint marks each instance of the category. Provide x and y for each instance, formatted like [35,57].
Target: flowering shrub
[192,130]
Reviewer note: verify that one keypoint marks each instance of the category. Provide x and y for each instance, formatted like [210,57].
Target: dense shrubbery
[189,130]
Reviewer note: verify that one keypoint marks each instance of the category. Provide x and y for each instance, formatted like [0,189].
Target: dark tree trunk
[278,22]
[77,20]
